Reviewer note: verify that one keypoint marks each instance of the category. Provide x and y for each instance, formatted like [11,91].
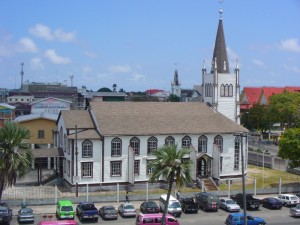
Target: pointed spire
[176,80]
[220,48]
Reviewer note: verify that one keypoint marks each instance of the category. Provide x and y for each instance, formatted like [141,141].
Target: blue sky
[138,44]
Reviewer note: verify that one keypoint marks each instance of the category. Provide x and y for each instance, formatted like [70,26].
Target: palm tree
[169,164]
[15,154]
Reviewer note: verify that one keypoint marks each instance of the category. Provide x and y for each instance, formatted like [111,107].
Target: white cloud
[42,31]
[291,45]
[294,69]
[36,64]
[60,35]
[26,45]
[138,77]
[56,59]
[6,47]
[119,69]
[90,54]
[87,69]
[258,62]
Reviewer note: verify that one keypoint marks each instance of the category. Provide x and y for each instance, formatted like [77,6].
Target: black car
[5,213]
[271,203]
[149,207]
[188,205]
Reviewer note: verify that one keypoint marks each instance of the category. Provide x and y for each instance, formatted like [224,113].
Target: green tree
[289,147]
[169,165]
[286,108]
[174,98]
[104,89]
[15,154]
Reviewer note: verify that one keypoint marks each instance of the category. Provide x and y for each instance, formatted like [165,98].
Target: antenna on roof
[22,74]
[71,78]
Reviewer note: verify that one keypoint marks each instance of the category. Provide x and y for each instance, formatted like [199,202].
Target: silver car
[229,205]
[295,211]
[25,215]
[127,210]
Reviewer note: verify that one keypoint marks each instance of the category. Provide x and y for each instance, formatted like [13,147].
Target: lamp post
[76,160]
[263,175]
[241,135]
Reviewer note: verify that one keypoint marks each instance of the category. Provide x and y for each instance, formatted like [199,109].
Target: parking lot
[275,217]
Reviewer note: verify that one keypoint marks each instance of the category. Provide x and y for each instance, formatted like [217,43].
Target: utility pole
[76,159]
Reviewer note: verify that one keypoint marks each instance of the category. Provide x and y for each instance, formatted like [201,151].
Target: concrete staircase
[209,184]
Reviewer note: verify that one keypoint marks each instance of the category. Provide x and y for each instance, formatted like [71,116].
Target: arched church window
[186,142]
[219,142]
[202,144]
[135,145]
[237,146]
[151,144]
[226,90]
[222,90]
[170,141]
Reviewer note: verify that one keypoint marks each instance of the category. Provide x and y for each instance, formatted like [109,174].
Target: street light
[76,159]
[241,135]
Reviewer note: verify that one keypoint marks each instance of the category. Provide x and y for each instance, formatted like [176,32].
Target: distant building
[50,105]
[261,95]
[7,113]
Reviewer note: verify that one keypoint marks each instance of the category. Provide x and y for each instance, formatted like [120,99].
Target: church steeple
[220,53]
[176,80]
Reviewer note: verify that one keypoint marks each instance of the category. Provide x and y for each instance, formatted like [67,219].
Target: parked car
[149,207]
[295,211]
[229,205]
[25,215]
[174,206]
[65,209]
[127,210]
[188,205]
[238,218]
[251,202]
[271,203]
[207,201]
[108,212]
[5,213]
[288,199]
[87,211]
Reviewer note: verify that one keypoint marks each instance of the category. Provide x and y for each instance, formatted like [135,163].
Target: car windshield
[174,205]
[229,201]
[128,207]
[67,208]
[294,198]
[297,206]
[151,204]
[3,210]
[26,210]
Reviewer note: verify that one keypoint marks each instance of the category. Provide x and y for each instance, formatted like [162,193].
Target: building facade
[114,141]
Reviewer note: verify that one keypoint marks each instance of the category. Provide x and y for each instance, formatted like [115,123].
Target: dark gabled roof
[220,53]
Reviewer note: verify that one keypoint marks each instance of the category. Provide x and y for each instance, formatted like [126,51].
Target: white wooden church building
[114,140]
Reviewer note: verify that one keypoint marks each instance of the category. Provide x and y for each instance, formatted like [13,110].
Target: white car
[288,199]
[229,205]
[295,211]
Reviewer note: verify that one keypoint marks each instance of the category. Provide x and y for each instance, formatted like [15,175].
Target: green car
[65,209]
